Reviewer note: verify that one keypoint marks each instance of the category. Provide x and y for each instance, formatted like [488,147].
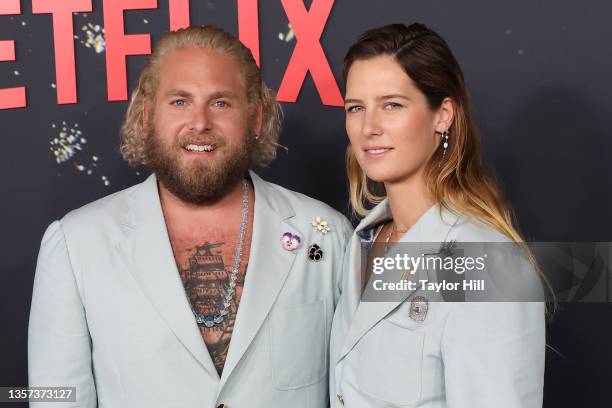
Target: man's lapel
[148,254]
[268,268]
[430,228]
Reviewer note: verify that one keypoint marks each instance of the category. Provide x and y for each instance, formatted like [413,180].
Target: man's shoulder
[112,207]
[304,205]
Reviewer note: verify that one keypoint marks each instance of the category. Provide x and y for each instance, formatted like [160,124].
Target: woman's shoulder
[470,229]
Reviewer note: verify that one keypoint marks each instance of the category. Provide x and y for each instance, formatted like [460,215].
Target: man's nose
[200,120]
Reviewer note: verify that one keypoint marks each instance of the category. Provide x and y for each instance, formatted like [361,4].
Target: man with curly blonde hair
[204,285]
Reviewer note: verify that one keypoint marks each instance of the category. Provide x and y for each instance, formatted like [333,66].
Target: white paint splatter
[94,37]
[66,144]
[288,36]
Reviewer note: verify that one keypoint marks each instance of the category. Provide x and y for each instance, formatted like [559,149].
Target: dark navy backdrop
[538,73]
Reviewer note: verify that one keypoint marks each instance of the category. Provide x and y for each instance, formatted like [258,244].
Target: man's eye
[221,104]
[179,103]
[354,109]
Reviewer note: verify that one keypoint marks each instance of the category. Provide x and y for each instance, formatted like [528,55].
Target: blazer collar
[432,226]
[359,317]
[378,214]
[147,251]
[268,268]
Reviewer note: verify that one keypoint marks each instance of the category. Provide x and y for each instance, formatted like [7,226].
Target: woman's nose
[371,124]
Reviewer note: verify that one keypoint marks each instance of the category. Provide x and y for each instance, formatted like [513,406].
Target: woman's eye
[392,105]
[354,109]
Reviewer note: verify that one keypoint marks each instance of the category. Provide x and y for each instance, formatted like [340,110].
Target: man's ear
[446,115]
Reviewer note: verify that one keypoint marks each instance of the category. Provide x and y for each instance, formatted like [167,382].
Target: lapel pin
[418,308]
[320,225]
[315,253]
[290,242]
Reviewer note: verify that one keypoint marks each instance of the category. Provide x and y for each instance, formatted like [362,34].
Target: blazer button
[341,399]
[222,406]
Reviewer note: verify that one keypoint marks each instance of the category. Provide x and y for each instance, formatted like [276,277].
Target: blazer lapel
[356,263]
[268,268]
[148,254]
[430,228]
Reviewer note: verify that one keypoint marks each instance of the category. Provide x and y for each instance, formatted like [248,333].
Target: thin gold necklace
[391,232]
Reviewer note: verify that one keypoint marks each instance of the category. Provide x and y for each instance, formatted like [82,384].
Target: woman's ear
[446,114]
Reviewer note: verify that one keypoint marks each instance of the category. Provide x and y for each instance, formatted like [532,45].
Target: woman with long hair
[414,156]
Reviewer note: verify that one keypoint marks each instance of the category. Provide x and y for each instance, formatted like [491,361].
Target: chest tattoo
[205,270]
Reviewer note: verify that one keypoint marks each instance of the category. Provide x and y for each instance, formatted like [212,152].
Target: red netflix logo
[308,55]
[11,97]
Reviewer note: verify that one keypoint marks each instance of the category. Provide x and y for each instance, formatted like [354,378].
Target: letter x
[308,54]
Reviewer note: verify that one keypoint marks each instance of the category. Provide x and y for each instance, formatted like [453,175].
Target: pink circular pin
[290,242]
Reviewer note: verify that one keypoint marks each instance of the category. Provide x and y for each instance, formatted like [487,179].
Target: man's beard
[199,181]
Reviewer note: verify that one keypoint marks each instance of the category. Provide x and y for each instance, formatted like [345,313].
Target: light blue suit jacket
[110,316]
[463,355]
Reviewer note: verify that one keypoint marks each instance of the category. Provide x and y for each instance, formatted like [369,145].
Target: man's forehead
[187,67]
[199,58]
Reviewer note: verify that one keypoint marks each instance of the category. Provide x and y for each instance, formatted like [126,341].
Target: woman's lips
[377,151]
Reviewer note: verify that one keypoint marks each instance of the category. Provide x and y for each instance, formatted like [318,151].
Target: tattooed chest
[213,282]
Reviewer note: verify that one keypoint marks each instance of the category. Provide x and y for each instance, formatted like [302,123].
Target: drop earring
[445,144]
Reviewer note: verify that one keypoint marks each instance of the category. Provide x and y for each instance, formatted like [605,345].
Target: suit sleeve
[493,355]
[59,345]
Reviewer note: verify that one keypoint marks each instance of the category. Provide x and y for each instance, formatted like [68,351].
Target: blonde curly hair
[133,130]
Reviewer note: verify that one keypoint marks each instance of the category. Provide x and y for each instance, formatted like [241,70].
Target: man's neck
[181,214]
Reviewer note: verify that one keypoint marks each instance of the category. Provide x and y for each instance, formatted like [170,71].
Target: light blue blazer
[110,316]
[463,355]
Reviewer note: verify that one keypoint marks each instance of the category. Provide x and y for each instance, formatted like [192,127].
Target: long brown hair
[457,179]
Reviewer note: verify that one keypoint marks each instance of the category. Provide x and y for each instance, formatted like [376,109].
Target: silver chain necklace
[230,289]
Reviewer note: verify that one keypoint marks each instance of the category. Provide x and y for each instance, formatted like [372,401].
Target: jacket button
[222,406]
[341,399]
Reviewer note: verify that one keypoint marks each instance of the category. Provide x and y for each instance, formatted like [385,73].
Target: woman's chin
[391,177]
[379,176]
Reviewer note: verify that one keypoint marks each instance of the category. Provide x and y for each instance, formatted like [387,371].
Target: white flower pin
[321,225]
